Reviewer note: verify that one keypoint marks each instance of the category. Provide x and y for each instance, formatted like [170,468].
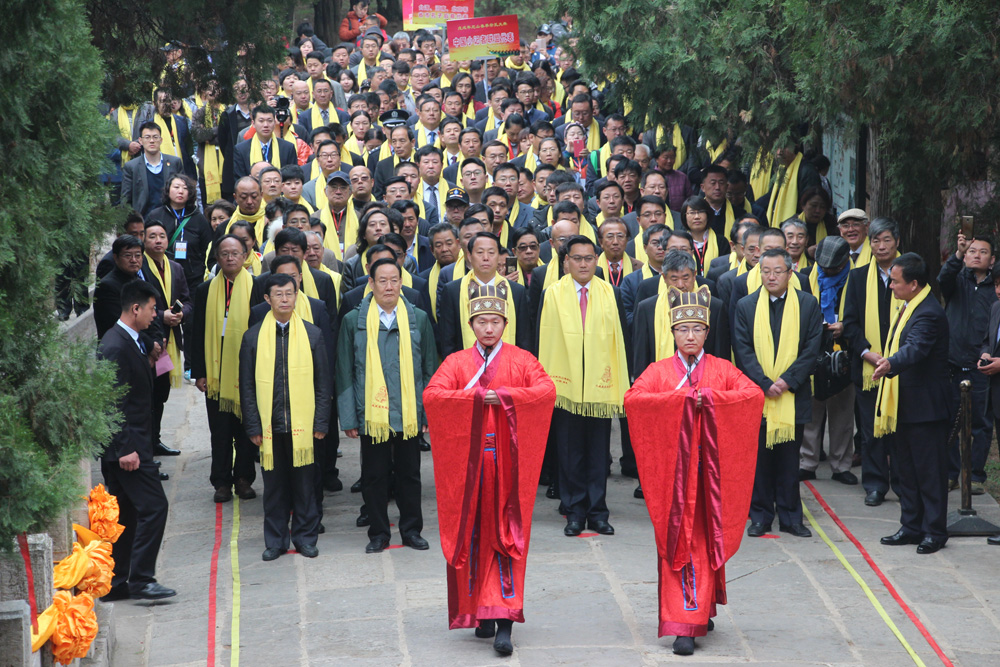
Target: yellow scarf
[125,128]
[715,151]
[468,337]
[432,285]
[442,193]
[491,120]
[663,336]
[166,284]
[677,139]
[523,277]
[167,133]
[602,262]
[602,159]
[887,401]
[222,362]
[421,133]
[363,70]
[779,412]
[586,361]
[258,221]
[864,256]
[257,152]
[731,216]
[873,329]
[302,307]
[760,174]
[594,136]
[332,238]
[253,264]
[211,170]
[316,117]
[334,276]
[301,396]
[736,263]
[509,64]
[551,272]
[783,202]
[376,393]
[302,202]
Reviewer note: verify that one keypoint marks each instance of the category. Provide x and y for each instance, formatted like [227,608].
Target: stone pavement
[589,601]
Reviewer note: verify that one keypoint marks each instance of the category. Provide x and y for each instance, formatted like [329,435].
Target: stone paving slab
[590,601]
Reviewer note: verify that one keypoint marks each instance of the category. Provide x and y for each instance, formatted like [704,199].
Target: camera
[282,110]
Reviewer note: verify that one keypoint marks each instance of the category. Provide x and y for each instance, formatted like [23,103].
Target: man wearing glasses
[693,418]
[776,339]
[581,345]
[853,225]
[144,176]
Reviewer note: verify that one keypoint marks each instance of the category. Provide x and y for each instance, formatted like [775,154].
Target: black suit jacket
[651,287]
[644,333]
[991,348]
[321,319]
[449,324]
[178,292]
[108,306]
[241,157]
[197,342]
[922,366]
[810,338]
[133,372]
[854,318]
[717,267]
[738,290]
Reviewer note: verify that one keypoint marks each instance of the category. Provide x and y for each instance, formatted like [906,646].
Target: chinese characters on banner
[429,14]
[486,37]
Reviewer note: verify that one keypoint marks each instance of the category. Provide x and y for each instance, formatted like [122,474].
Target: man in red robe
[694,420]
[488,408]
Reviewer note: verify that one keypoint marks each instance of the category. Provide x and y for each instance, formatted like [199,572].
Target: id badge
[181,250]
[224,320]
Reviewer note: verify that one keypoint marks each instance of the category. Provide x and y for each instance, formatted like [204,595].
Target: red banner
[486,37]
[429,14]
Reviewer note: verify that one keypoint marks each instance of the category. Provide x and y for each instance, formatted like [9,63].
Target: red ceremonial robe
[487,460]
[697,469]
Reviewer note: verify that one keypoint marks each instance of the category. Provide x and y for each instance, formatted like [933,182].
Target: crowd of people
[308,256]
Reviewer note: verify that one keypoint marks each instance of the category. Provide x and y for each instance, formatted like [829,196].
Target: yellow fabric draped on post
[167,132]
[376,392]
[222,362]
[301,397]
[166,285]
[783,203]
[778,412]
[887,402]
[586,361]
[257,152]
[468,336]
[873,329]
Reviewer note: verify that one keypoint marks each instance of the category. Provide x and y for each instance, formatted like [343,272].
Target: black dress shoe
[362,520]
[758,529]
[223,494]
[994,540]
[416,542]
[552,492]
[272,553]
[162,450]
[602,527]
[356,487]
[544,479]
[321,529]
[377,545]
[334,485]
[638,492]
[711,625]
[157,463]
[846,477]
[486,629]
[930,545]
[684,646]
[796,529]
[308,550]
[243,489]
[424,445]
[573,528]
[900,538]
[874,498]
[502,644]
[164,476]
[152,591]
[806,474]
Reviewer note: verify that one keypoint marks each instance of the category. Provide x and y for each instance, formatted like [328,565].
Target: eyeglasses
[583,259]
[653,214]
[131,255]
[530,246]
[777,273]
[852,224]
[687,331]
[231,255]
[614,237]
[387,282]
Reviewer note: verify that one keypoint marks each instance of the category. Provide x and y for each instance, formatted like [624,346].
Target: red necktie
[583,305]
[616,274]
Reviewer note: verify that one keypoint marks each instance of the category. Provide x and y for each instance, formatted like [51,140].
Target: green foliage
[55,399]
[222,40]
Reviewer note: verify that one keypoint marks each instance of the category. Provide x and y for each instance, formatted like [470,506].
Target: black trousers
[328,470]
[161,392]
[142,508]
[290,493]
[550,462]
[627,460]
[227,435]
[776,483]
[922,458]
[878,464]
[401,458]
[582,444]
[982,425]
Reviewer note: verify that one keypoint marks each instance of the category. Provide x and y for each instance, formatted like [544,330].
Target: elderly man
[693,415]
[776,340]
[479,390]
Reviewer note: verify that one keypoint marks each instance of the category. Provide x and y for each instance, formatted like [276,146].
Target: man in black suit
[771,238]
[291,241]
[265,142]
[989,363]
[127,462]
[777,478]
[647,287]
[721,265]
[483,252]
[127,252]
[916,361]
[143,178]
[865,341]
[750,240]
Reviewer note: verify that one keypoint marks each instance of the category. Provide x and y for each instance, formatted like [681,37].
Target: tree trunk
[326,20]
[877,184]
[392,10]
